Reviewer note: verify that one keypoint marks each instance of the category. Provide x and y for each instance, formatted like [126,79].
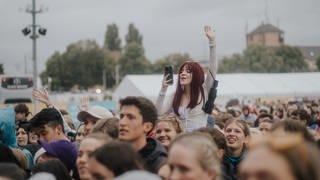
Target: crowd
[174,138]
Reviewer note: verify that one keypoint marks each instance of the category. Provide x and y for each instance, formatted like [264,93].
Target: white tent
[231,86]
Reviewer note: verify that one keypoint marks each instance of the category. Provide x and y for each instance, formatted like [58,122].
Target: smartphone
[168,69]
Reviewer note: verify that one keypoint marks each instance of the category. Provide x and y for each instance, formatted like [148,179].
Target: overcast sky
[167,26]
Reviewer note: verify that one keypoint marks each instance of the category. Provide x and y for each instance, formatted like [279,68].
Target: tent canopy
[230,85]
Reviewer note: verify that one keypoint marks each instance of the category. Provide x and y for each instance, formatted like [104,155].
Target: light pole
[34,35]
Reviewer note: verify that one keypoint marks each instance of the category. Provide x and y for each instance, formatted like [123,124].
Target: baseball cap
[98,112]
[64,150]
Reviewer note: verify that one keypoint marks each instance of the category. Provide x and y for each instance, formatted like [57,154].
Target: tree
[318,63]
[112,40]
[133,60]
[133,35]
[292,58]
[232,64]
[54,70]
[1,69]
[82,64]
[260,59]
[173,59]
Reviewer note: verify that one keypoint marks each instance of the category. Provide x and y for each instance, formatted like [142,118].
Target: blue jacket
[7,127]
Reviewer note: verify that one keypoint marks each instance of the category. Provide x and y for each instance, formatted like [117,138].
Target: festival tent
[246,85]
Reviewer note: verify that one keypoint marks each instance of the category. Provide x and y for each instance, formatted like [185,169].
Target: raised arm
[212,58]
[43,97]
[160,100]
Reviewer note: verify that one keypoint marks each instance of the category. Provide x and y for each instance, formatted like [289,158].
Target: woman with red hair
[191,91]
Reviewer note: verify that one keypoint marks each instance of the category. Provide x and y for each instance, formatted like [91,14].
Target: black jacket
[152,155]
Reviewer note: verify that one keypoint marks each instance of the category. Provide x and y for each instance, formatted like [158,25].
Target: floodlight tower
[34,35]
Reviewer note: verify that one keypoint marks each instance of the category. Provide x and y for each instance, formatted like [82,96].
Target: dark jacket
[152,155]
[230,164]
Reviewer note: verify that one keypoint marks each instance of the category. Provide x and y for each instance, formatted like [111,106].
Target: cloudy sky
[167,26]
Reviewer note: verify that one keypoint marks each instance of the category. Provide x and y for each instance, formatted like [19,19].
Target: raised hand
[165,82]
[210,33]
[42,96]
[84,104]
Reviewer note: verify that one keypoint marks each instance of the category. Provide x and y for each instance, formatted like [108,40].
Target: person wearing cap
[63,150]
[48,124]
[92,115]
[137,119]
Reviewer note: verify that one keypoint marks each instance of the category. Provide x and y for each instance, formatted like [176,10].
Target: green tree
[112,40]
[133,35]
[54,70]
[318,63]
[292,58]
[1,69]
[260,59]
[173,59]
[232,64]
[133,60]
[82,64]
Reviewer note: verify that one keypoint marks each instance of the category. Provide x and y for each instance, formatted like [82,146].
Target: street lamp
[34,35]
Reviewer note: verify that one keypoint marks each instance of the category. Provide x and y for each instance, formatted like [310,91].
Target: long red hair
[195,86]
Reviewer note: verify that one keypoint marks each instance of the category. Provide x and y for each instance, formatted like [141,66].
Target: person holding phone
[191,91]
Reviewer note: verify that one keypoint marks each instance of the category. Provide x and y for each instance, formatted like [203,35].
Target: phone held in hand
[168,69]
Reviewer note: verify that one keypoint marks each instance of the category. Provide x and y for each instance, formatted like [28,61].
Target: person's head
[92,115]
[7,156]
[262,117]
[167,128]
[193,156]
[191,76]
[137,119]
[245,110]
[33,137]
[218,138]
[164,170]
[63,150]
[10,171]
[21,157]
[286,126]
[113,159]
[265,126]
[54,167]
[40,156]
[279,112]
[287,157]
[80,133]
[48,124]
[89,144]
[236,133]
[22,133]
[108,126]
[21,112]
[302,116]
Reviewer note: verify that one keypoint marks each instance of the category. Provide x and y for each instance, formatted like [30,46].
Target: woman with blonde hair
[194,156]
[288,157]
[167,127]
[87,146]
